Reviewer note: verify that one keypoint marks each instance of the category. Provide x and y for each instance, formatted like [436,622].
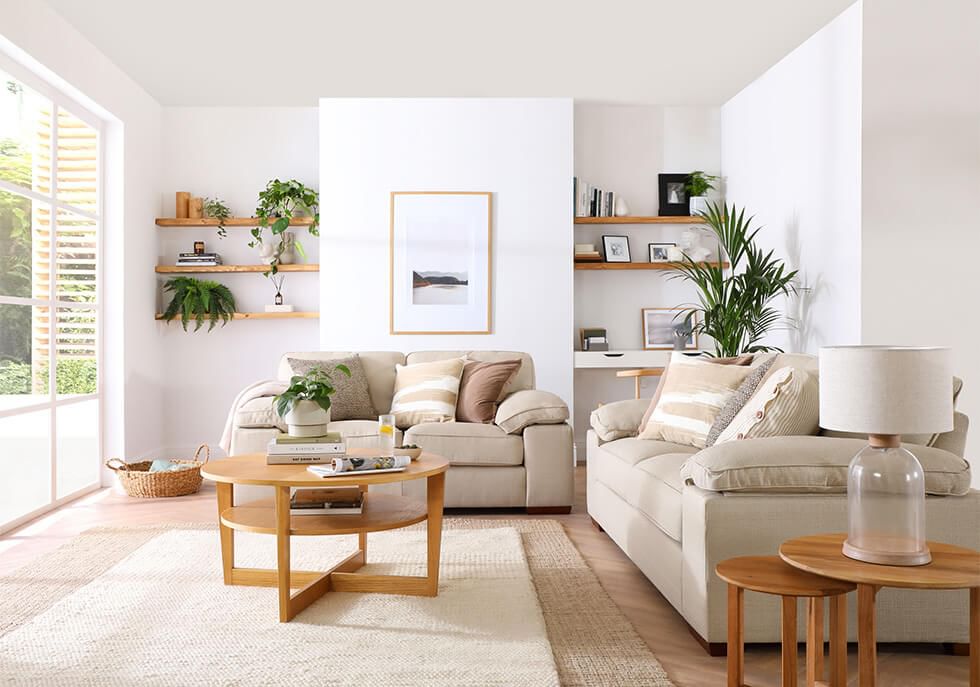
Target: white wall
[520,149]
[231,153]
[921,183]
[791,154]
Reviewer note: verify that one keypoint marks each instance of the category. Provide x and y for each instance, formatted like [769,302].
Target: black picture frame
[610,251]
[668,184]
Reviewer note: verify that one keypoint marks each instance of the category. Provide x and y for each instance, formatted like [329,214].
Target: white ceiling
[291,52]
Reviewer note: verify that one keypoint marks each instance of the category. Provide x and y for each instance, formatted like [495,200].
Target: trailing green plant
[216,208]
[278,202]
[698,183]
[316,385]
[736,309]
[197,299]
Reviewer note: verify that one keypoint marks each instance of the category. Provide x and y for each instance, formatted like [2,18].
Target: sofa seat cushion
[646,474]
[258,413]
[468,443]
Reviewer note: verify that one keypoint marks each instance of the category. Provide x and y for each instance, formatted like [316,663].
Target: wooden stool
[770,575]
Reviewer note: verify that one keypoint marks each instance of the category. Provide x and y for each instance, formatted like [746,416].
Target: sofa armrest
[530,407]
[955,440]
[549,463]
[619,419]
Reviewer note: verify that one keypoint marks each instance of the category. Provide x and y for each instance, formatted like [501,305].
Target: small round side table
[952,567]
[770,575]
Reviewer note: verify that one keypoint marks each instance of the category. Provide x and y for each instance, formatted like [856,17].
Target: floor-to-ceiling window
[50,306]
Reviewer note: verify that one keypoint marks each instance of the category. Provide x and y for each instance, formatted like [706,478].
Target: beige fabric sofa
[641,493]
[527,462]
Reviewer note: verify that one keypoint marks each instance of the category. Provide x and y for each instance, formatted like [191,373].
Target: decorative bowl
[412,453]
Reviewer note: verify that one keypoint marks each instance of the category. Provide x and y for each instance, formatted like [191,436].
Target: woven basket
[138,481]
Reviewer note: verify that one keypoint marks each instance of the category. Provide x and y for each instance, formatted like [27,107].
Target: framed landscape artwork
[663,329]
[440,262]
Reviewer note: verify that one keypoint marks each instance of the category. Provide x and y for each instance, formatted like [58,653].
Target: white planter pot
[698,204]
[307,419]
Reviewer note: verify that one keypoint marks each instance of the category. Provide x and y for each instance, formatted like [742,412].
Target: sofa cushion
[522,381]
[786,404]
[480,387]
[351,399]
[808,464]
[531,407]
[426,392]
[619,419]
[379,366]
[742,395]
[468,443]
[258,413]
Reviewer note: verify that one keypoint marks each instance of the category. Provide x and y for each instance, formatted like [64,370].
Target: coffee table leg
[789,648]
[282,552]
[435,492]
[736,636]
[867,636]
[838,641]
[975,637]
[226,500]
[362,536]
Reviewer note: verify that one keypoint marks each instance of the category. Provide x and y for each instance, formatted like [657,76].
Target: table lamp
[884,392]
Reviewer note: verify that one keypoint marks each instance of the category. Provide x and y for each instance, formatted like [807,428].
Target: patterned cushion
[786,404]
[694,393]
[426,392]
[351,400]
[736,402]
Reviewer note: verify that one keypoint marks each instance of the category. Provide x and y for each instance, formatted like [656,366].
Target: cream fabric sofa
[677,532]
[530,467]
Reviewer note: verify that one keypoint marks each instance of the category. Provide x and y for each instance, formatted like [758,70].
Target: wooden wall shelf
[636,265]
[681,219]
[190,269]
[230,222]
[261,316]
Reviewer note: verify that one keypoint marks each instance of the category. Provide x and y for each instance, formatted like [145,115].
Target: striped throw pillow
[694,393]
[426,392]
[785,404]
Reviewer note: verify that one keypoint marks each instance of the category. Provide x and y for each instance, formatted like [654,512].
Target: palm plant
[735,310]
[199,298]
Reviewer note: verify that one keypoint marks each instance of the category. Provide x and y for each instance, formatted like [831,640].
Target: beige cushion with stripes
[426,392]
[785,404]
[694,393]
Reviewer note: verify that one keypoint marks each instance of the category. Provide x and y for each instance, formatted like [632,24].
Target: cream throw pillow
[426,392]
[694,393]
[787,403]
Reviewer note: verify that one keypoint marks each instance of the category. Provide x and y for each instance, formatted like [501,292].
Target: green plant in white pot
[305,404]
[698,184]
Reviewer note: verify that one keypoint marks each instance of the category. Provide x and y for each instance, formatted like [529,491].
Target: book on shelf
[327,501]
[198,255]
[591,201]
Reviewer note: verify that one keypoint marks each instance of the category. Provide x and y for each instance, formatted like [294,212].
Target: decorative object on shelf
[673,195]
[886,391]
[697,186]
[590,201]
[667,329]
[181,204]
[279,201]
[199,248]
[735,310]
[691,245]
[675,254]
[616,248]
[196,299]
[278,306]
[440,258]
[287,256]
[586,252]
[199,258]
[593,339]
[215,208]
[622,208]
[304,404]
[660,252]
[195,207]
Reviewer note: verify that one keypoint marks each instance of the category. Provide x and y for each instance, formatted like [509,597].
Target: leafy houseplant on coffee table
[304,404]
[277,203]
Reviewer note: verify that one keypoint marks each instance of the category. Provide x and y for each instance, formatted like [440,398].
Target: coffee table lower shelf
[380,512]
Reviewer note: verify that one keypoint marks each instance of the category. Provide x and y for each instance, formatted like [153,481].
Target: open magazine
[341,466]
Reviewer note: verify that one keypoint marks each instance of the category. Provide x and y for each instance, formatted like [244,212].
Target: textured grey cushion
[352,400]
[737,402]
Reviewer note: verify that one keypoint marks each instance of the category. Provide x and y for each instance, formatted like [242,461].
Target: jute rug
[127,606]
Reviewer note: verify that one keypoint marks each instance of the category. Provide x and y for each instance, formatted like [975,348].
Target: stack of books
[586,252]
[287,450]
[327,501]
[198,259]
[591,201]
[594,339]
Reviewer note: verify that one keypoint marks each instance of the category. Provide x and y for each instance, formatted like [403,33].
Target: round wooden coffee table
[380,512]
[952,567]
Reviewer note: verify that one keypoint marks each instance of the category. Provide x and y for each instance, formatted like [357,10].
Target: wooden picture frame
[657,329]
[440,259]
[673,195]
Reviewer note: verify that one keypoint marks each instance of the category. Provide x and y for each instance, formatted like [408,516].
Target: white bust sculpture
[691,244]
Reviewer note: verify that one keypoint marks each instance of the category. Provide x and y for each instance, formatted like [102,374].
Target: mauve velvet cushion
[479,388]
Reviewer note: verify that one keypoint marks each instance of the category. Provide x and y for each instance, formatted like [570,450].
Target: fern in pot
[199,299]
[305,404]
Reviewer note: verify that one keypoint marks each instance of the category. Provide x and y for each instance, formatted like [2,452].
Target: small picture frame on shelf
[665,329]
[673,195]
[660,252]
[616,248]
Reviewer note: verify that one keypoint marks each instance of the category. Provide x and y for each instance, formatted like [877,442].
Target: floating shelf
[680,219]
[263,316]
[620,359]
[637,265]
[189,269]
[230,222]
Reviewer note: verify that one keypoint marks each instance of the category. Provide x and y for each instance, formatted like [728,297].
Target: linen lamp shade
[886,389]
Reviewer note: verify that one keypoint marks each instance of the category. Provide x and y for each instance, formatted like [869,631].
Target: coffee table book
[301,458]
[327,501]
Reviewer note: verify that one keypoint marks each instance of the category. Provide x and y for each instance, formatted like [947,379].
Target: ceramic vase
[287,254]
[622,209]
[307,419]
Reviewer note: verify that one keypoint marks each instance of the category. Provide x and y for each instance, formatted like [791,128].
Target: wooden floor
[656,621]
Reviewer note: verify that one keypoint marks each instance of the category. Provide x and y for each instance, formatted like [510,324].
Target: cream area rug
[517,605]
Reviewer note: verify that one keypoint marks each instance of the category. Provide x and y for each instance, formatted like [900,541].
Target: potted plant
[279,202]
[735,309]
[304,404]
[199,298]
[698,184]
[216,208]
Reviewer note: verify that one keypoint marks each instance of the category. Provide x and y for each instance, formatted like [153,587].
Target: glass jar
[386,435]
